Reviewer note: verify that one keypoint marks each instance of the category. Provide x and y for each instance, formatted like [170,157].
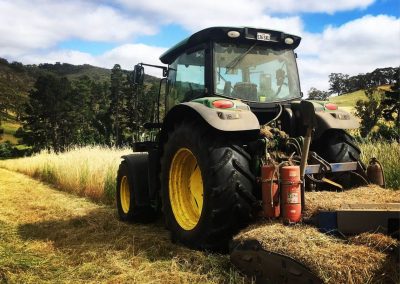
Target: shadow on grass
[100,231]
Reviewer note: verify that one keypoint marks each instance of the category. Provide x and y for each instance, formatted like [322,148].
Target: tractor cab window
[186,78]
[255,73]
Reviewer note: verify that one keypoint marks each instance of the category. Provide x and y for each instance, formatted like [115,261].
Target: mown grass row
[47,236]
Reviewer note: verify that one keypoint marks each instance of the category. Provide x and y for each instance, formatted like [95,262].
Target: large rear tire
[337,146]
[206,187]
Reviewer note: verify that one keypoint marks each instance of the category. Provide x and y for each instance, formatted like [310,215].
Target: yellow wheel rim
[125,194]
[186,189]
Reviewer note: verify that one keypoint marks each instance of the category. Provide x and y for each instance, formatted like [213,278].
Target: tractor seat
[193,94]
[246,91]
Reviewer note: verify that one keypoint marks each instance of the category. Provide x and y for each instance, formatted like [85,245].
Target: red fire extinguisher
[291,193]
[270,191]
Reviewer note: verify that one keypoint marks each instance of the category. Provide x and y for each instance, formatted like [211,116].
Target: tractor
[232,103]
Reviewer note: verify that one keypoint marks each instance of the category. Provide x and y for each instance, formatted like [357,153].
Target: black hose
[361,177]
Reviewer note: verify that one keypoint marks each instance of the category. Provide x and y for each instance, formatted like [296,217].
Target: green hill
[73,72]
[17,79]
[348,101]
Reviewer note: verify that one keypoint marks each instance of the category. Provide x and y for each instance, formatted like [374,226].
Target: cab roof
[244,35]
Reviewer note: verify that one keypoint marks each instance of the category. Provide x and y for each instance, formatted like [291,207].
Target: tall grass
[388,154]
[88,171]
[91,171]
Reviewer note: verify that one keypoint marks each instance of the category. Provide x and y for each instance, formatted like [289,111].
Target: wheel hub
[125,195]
[186,189]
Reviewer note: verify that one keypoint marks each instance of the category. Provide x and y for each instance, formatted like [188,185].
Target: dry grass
[87,171]
[47,236]
[359,259]
[377,241]
[333,260]
[328,200]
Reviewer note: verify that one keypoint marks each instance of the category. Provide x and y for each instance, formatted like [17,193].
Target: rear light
[223,104]
[331,106]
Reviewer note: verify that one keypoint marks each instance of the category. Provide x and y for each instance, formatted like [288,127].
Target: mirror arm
[158,99]
[164,68]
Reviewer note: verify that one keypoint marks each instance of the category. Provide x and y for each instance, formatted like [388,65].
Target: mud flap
[269,267]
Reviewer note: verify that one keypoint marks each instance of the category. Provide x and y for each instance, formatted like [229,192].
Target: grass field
[50,236]
[348,100]
[88,171]
[47,236]
[91,171]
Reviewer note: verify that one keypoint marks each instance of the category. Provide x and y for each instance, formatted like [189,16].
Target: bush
[6,150]
[385,132]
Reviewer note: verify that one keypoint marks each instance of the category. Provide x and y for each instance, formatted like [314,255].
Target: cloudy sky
[346,36]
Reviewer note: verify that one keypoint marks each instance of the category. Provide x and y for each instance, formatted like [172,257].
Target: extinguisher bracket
[287,182]
[269,180]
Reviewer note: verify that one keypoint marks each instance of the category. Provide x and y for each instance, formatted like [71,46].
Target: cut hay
[333,260]
[328,200]
[365,258]
[377,241]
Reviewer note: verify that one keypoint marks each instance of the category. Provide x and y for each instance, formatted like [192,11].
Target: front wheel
[132,196]
[206,187]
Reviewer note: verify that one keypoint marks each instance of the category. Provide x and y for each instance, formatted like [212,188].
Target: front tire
[206,187]
[132,197]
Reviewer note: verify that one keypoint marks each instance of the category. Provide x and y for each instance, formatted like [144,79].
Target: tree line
[381,109]
[340,83]
[60,112]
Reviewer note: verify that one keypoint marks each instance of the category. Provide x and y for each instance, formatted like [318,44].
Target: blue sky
[347,36]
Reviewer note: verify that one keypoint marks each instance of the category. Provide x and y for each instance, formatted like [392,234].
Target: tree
[49,115]
[391,101]
[368,111]
[117,102]
[338,83]
[100,103]
[315,94]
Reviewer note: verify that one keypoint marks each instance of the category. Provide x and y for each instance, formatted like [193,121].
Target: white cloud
[27,25]
[356,47]
[130,54]
[31,30]
[63,56]
[199,14]
[310,6]
[126,55]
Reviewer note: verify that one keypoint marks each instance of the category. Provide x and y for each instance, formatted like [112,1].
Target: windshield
[255,73]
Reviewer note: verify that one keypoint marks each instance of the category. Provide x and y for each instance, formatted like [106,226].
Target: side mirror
[138,74]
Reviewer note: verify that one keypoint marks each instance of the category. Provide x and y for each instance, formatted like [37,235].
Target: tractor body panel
[239,118]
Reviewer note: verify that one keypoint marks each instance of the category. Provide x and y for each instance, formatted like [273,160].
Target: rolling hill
[348,101]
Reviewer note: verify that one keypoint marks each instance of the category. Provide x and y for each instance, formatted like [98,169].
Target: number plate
[263,36]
